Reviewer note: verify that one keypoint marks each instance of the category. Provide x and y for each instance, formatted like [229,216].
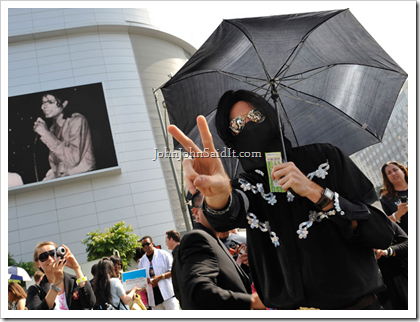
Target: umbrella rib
[302,79]
[245,81]
[301,43]
[255,48]
[319,105]
[238,76]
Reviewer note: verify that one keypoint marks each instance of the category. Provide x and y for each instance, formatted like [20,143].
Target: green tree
[11,261]
[119,237]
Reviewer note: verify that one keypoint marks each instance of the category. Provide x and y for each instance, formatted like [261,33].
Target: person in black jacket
[310,245]
[208,277]
[394,193]
[59,290]
[393,263]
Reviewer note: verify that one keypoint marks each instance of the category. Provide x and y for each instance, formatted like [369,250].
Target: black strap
[121,304]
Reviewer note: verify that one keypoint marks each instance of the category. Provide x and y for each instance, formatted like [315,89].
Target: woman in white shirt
[109,289]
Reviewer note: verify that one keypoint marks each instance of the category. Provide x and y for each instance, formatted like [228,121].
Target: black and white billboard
[59,133]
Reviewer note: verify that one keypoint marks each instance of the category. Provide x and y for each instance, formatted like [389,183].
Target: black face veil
[255,138]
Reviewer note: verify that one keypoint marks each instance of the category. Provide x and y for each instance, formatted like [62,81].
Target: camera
[404,199]
[233,244]
[60,252]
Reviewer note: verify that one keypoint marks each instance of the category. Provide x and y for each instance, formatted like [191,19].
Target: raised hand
[40,126]
[204,172]
[70,260]
[402,209]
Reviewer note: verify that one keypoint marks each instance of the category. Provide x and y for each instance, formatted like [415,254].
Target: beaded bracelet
[396,219]
[217,212]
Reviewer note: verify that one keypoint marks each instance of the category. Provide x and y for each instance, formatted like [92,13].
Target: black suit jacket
[173,274]
[78,298]
[208,277]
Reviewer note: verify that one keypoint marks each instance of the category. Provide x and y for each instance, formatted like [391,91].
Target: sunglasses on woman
[44,256]
[238,123]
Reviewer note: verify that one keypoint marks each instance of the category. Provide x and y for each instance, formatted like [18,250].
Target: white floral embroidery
[337,204]
[313,216]
[253,222]
[259,188]
[259,172]
[321,172]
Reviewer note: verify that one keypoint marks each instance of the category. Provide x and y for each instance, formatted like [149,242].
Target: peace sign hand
[205,172]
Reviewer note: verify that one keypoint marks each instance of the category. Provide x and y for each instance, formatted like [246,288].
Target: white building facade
[126,52]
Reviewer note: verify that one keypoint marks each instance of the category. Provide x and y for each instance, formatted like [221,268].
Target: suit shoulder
[196,236]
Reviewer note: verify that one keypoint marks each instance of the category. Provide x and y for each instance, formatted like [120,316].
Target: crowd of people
[321,244]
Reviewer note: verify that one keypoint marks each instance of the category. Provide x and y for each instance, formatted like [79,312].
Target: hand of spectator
[380,253]
[402,209]
[154,281]
[244,259]
[57,270]
[256,303]
[70,260]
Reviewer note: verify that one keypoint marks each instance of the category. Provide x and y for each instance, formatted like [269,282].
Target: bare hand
[204,172]
[244,259]
[57,270]
[69,259]
[402,209]
[256,303]
[290,177]
[380,253]
[154,281]
[40,126]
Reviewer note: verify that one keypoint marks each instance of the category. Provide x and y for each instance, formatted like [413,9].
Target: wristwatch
[163,276]
[55,288]
[326,197]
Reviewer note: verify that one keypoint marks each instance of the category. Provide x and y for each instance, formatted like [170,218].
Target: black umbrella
[328,78]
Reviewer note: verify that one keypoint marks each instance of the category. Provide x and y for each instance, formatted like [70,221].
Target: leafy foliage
[11,261]
[120,237]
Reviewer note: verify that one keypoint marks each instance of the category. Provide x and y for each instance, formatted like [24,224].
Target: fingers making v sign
[204,172]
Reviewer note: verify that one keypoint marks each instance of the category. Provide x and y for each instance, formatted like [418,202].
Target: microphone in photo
[37,135]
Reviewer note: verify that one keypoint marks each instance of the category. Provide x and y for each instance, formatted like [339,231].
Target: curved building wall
[119,48]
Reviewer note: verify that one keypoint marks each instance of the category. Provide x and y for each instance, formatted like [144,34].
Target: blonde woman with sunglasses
[59,290]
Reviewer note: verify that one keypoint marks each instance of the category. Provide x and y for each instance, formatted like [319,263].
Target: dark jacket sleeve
[77,298]
[198,275]
[386,205]
[87,296]
[400,244]
[356,198]
[36,298]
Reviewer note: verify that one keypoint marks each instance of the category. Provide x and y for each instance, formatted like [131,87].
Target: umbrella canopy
[18,273]
[331,81]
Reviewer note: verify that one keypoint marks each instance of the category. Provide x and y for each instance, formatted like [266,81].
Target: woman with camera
[59,290]
[394,193]
[393,261]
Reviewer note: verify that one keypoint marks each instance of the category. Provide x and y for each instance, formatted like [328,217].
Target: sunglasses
[146,244]
[44,256]
[238,123]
